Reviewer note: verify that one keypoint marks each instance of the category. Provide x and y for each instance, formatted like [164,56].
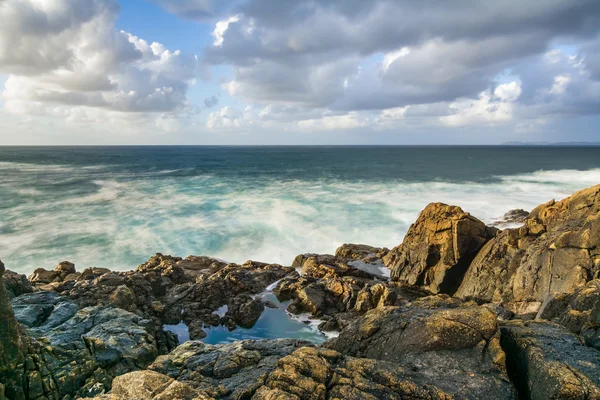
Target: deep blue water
[116,206]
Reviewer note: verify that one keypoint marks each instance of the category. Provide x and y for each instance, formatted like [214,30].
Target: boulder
[349,251]
[434,336]
[245,311]
[513,217]
[16,284]
[545,361]
[438,248]
[556,251]
[316,373]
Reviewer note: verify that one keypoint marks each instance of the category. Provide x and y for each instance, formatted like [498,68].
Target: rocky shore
[459,310]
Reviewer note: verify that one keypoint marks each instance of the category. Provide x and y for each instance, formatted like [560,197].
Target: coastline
[467,304]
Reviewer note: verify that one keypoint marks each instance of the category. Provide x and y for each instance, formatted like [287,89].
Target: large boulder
[435,336]
[556,251]
[545,361]
[438,248]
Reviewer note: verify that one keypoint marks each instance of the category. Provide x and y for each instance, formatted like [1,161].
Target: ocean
[114,207]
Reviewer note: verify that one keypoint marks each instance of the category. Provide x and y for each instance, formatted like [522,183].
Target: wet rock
[555,252]
[545,361]
[67,346]
[196,330]
[438,248]
[245,311]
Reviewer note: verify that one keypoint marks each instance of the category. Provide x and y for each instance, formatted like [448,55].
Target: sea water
[114,207]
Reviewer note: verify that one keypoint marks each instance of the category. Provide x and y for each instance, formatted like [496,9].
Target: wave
[120,223]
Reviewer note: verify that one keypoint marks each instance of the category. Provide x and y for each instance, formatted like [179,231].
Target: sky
[77,72]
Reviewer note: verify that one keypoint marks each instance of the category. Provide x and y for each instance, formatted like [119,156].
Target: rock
[41,276]
[512,217]
[501,313]
[555,252]
[435,336]
[123,297]
[68,347]
[16,284]
[315,373]
[579,311]
[318,258]
[245,311]
[350,251]
[545,361]
[34,309]
[196,330]
[12,359]
[311,267]
[231,371]
[150,385]
[438,248]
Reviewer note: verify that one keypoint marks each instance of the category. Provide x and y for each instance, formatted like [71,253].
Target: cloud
[356,56]
[67,53]
[490,108]
[211,101]
[198,10]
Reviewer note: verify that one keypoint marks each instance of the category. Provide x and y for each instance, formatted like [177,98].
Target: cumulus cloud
[355,56]
[67,53]
[490,108]
[312,65]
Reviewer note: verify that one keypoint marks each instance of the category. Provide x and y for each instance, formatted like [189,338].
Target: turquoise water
[274,323]
[115,207]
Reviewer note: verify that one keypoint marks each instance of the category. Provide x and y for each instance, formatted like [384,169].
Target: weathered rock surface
[16,284]
[316,373]
[578,311]
[434,336]
[196,370]
[70,349]
[556,251]
[545,361]
[438,248]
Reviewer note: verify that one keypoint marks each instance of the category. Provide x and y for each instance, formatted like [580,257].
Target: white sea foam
[123,222]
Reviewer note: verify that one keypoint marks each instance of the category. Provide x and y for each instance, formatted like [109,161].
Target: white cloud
[221,28]
[489,108]
[560,84]
[351,120]
[63,54]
